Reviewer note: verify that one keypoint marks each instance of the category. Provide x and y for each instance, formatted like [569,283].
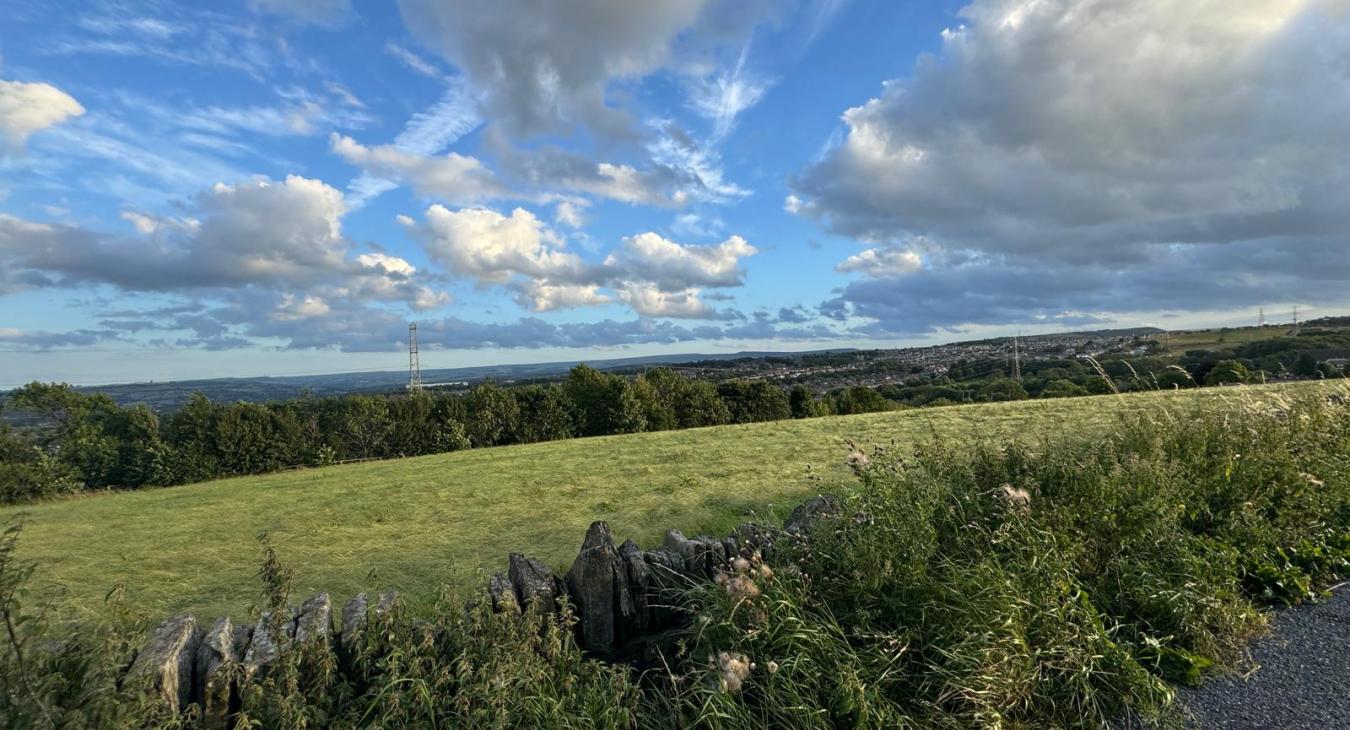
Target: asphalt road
[1302,676]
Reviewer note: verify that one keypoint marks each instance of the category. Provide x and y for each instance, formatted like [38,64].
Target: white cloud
[148,224]
[489,247]
[453,177]
[570,213]
[1092,128]
[880,263]
[650,301]
[390,264]
[412,60]
[545,297]
[1069,155]
[721,97]
[292,308]
[255,239]
[674,266]
[27,108]
[426,133]
[653,275]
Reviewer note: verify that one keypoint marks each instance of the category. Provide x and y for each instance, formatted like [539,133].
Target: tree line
[87,441]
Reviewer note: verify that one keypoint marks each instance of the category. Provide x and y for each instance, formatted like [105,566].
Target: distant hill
[168,395]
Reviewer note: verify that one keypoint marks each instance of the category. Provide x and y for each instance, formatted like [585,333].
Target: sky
[279,187]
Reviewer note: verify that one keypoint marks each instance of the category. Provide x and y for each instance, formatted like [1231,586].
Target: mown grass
[417,524]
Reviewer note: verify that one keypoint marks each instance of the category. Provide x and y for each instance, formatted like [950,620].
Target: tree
[658,412]
[754,401]
[1173,378]
[494,415]
[803,404]
[358,426]
[545,414]
[190,433]
[250,438]
[861,399]
[413,430]
[1063,388]
[604,404]
[1227,372]
[1305,365]
[683,402]
[1001,389]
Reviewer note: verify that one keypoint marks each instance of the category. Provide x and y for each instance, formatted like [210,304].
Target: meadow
[421,523]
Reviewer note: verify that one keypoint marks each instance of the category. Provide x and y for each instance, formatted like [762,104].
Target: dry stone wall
[626,600]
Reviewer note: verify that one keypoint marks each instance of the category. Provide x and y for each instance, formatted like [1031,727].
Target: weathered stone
[314,620]
[811,513]
[597,585]
[502,595]
[730,547]
[243,634]
[667,579]
[354,619]
[269,639]
[534,584]
[703,555]
[661,563]
[215,662]
[165,662]
[633,613]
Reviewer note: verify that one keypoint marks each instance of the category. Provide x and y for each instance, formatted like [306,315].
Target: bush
[1057,585]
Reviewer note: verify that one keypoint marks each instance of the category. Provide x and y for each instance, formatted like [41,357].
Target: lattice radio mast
[1261,319]
[414,364]
[1017,359]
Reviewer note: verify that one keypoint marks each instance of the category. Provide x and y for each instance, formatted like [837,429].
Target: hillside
[419,523]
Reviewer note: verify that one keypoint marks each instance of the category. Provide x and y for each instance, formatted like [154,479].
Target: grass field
[418,524]
[1217,339]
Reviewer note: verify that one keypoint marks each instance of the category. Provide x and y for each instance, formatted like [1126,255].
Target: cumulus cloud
[674,266]
[1097,141]
[653,275]
[880,263]
[649,300]
[453,177]
[261,235]
[489,247]
[545,66]
[27,108]
[542,296]
[1088,129]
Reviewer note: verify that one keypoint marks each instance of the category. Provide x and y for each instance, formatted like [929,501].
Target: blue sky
[280,186]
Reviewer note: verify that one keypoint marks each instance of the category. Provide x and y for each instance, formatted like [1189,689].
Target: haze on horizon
[280,187]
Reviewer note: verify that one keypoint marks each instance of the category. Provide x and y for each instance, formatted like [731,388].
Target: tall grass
[1065,582]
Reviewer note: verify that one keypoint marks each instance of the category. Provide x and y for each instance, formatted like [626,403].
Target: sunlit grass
[417,524]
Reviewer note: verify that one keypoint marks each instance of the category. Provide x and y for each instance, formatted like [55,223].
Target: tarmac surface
[1299,676]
